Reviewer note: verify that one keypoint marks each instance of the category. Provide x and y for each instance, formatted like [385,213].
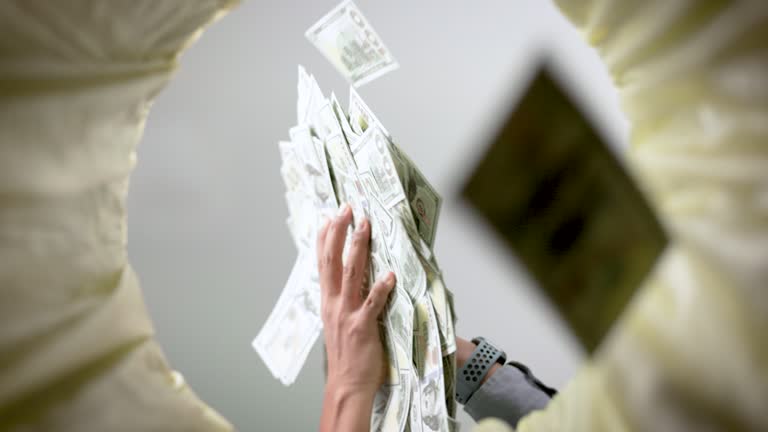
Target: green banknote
[552,190]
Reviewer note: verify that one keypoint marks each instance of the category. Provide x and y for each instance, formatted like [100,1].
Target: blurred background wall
[207,216]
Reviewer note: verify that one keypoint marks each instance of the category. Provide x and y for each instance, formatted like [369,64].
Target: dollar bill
[360,115]
[293,326]
[349,42]
[305,148]
[374,160]
[309,97]
[553,191]
[376,167]
[415,422]
[325,123]
[291,169]
[409,270]
[402,257]
[422,210]
[303,96]
[398,318]
[305,156]
[428,360]
[349,188]
[350,135]
[309,193]
[398,336]
[423,199]
[420,405]
[390,406]
[438,294]
[449,377]
[381,184]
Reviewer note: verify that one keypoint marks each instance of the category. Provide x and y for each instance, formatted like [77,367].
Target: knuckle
[325,313]
[378,296]
[338,225]
[337,329]
[378,289]
[372,301]
[331,232]
[328,260]
[360,238]
[356,329]
[350,271]
[347,328]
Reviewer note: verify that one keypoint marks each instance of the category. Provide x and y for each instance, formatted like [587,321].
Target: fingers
[354,270]
[377,298]
[321,239]
[333,243]
[319,252]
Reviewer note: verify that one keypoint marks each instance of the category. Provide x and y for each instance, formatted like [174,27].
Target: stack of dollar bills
[335,157]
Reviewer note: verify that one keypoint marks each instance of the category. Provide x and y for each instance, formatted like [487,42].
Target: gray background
[206,210]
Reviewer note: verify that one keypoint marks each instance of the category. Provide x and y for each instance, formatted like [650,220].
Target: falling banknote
[349,42]
[554,192]
[335,157]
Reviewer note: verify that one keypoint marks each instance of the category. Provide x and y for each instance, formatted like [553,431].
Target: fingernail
[391,279]
[343,209]
[362,225]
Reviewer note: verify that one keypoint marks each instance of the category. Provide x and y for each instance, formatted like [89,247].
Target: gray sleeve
[507,395]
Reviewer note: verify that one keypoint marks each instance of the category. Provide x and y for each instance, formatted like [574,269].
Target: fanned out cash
[335,157]
[349,42]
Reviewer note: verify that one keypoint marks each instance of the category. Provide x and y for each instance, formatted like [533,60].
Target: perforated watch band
[470,376]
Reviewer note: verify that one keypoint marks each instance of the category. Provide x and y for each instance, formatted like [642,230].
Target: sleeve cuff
[507,395]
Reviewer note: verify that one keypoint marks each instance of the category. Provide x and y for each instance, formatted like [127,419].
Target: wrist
[464,350]
[346,407]
[341,391]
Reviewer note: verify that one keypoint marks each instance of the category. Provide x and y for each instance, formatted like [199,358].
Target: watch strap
[470,376]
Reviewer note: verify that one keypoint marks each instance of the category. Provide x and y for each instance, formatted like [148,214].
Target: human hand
[356,362]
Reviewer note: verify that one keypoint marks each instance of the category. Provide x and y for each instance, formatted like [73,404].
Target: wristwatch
[470,376]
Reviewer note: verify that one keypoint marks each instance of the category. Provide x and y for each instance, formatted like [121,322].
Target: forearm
[346,410]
